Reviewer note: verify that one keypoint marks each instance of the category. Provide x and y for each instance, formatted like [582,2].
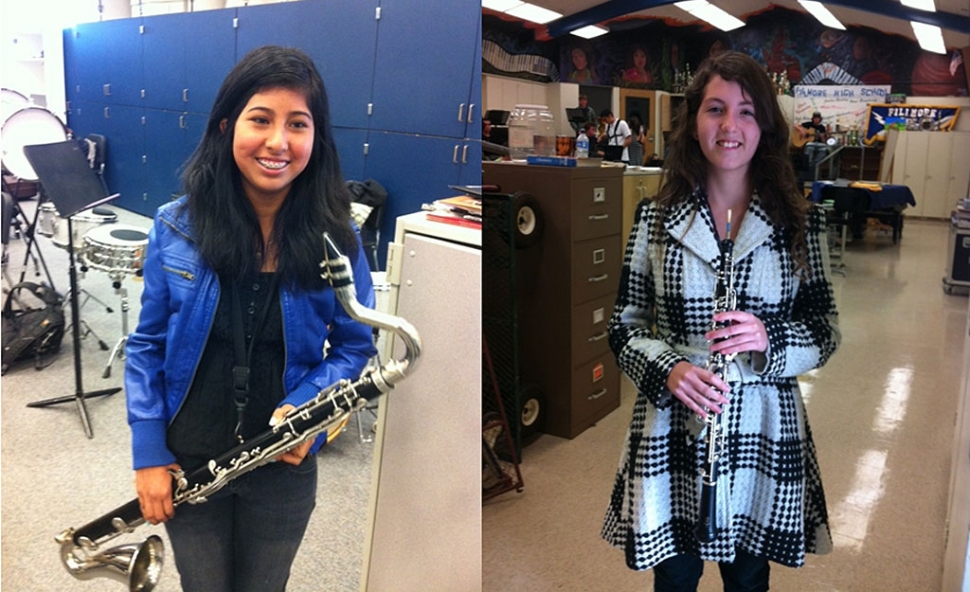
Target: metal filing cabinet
[566,289]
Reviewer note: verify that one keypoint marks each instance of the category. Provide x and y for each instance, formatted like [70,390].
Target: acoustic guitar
[797,141]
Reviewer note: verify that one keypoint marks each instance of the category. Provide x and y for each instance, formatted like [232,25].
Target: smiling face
[727,130]
[272,142]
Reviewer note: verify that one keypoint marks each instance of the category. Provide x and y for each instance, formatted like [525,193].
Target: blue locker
[124,173]
[104,60]
[337,34]
[414,169]
[186,57]
[424,66]
[350,147]
[164,155]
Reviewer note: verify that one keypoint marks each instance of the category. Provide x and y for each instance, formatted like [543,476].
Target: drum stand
[119,348]
[73,187]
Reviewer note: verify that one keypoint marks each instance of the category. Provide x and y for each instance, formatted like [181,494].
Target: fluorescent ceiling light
[822,14]
[590,31]
[930,37]
[711,14]
[501,5]
[536,14]
[920,4]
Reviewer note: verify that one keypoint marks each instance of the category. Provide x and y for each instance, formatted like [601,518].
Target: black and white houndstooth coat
[771,502]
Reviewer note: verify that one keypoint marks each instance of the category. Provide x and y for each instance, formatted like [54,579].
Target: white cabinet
[959,185]
[956,558]
[424,530]
[934,165]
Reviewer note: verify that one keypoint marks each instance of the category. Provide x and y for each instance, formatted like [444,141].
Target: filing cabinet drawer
[596,266]
[597,208]
[595,391]
[588,331]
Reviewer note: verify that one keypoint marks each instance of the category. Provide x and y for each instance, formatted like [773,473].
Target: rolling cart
[958,258]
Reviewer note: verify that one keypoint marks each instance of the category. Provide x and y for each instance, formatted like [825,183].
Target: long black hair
[771,171]
[226,228]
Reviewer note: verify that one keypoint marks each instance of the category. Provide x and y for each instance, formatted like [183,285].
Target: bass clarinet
[139,565]
[715,437]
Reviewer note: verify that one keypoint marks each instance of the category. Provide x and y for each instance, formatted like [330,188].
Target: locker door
[123,171]
[339,36]
[208,33]
[164,60]
[424,66]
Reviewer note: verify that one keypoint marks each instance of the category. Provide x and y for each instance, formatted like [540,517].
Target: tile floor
[882,413]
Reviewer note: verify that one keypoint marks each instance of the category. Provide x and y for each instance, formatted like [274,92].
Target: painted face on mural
[727,129]
[580,61]
[639,59]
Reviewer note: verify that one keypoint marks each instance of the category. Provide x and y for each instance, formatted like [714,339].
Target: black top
[204,426]
[819,130]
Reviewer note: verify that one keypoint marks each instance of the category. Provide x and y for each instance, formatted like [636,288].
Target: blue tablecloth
[891,196]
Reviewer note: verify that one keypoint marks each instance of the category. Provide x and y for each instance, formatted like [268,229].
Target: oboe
[725,299]
[139,565]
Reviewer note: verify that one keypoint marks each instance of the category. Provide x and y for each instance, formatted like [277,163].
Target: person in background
[728,153]
[589,115]
[232,286]
[637,139]
[595,149]
[616,138]
[815,132]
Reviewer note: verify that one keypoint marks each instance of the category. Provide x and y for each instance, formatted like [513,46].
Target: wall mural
[650,54]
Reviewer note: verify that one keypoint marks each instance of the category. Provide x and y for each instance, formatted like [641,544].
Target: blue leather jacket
[178,306]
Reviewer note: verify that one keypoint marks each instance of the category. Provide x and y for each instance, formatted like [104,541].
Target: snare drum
[82,224]
[115,248]
[47,219]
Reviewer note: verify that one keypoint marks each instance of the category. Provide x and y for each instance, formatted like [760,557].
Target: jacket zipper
[185,274]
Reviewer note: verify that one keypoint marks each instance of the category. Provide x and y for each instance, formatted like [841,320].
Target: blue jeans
[815,152]
[245,537]
[682,573]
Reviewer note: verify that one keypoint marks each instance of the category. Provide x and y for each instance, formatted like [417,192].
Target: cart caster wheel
[528,220]
[531,410]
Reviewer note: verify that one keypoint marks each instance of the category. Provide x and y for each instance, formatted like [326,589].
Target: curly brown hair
[772,175]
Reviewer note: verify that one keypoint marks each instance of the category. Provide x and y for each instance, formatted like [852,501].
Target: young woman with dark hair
[232,280]
[728,153]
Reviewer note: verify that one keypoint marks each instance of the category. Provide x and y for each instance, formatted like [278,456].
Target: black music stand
[73,186]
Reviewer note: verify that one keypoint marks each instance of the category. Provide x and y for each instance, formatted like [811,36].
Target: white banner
[842,107]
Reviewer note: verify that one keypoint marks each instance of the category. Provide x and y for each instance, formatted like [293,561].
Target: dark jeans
[245,537]
[682,573]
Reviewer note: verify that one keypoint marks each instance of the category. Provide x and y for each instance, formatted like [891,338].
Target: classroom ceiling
[888,16]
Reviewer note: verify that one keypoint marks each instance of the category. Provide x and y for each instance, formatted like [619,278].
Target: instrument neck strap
[243,354]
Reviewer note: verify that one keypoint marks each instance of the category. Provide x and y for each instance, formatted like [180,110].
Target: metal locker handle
[598,337]
[454,155]
[471,108]
[598,278]
[597,394]
[461,112]
[598,217]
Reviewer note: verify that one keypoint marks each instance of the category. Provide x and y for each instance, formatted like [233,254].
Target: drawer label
[599,315]
[599,256]
[598,372]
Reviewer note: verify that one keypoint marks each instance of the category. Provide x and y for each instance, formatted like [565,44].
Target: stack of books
[461,210]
